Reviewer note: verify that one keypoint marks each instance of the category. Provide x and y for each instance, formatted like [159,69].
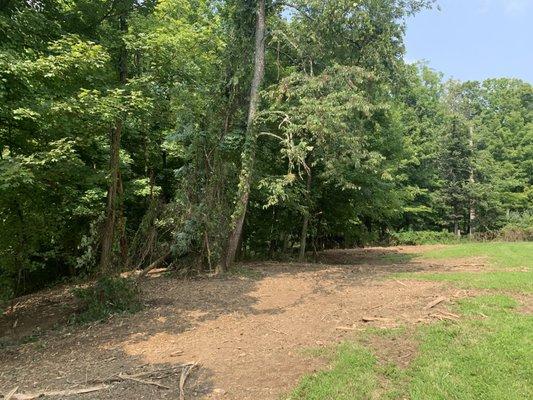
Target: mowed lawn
[486,354]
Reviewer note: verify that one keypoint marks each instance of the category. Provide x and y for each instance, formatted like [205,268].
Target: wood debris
[131,378]
[372,319]
[443,317]
[435,302]
[10,394]
[183,378]
[107,383]
[54,393]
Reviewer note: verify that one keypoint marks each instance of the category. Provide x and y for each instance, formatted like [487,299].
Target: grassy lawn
[500,255]
[485,355]
[511,264]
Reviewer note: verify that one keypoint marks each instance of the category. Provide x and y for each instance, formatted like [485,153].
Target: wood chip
[347,328]
[374,307]
[435,302]
[371,319]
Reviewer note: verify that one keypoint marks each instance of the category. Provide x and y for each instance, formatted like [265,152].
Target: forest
[196,133]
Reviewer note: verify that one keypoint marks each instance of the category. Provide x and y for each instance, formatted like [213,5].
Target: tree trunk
[108,235]
[286,243]
[248,155]
[472,209]
[115,184]
[303,236]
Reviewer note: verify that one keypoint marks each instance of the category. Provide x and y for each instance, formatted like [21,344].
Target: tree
[455,165]
[248,155]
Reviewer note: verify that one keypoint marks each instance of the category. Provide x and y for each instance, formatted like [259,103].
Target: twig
[11,393]
[347,328]
[160,370]
[130,378]
[442,316]
[401,283]
[184,374]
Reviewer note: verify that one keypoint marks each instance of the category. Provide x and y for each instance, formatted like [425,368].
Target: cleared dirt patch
[247,334]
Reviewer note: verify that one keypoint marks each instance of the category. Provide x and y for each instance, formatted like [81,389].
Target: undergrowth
[108,296]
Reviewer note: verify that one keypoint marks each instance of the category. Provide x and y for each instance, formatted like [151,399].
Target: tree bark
[248,155]
[305,225]
[472,209]
[112,206]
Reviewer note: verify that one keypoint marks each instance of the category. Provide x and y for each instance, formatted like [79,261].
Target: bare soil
[247,333]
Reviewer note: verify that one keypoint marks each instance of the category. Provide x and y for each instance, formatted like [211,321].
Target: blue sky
[475,39]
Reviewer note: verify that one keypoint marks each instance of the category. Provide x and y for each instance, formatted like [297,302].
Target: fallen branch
[153,265]
[401,283]
[168,370]
[131,378]
[435,302]
[68,392]
[184,374]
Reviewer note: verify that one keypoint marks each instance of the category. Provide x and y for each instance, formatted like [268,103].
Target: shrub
[106,297]
[519,227]
[511,233]
[423,237]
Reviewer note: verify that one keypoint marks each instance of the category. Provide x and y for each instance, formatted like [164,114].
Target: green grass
[500,254]
[496,280]
[352,377]
[511,266]
[487,354]
[243,271]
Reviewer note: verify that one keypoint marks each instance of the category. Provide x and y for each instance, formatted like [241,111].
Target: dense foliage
[124,135]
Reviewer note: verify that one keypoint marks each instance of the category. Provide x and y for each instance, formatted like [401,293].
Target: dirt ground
[247,333]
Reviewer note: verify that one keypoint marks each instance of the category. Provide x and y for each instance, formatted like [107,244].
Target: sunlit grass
[486,354]
[499,254]
[496,280]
